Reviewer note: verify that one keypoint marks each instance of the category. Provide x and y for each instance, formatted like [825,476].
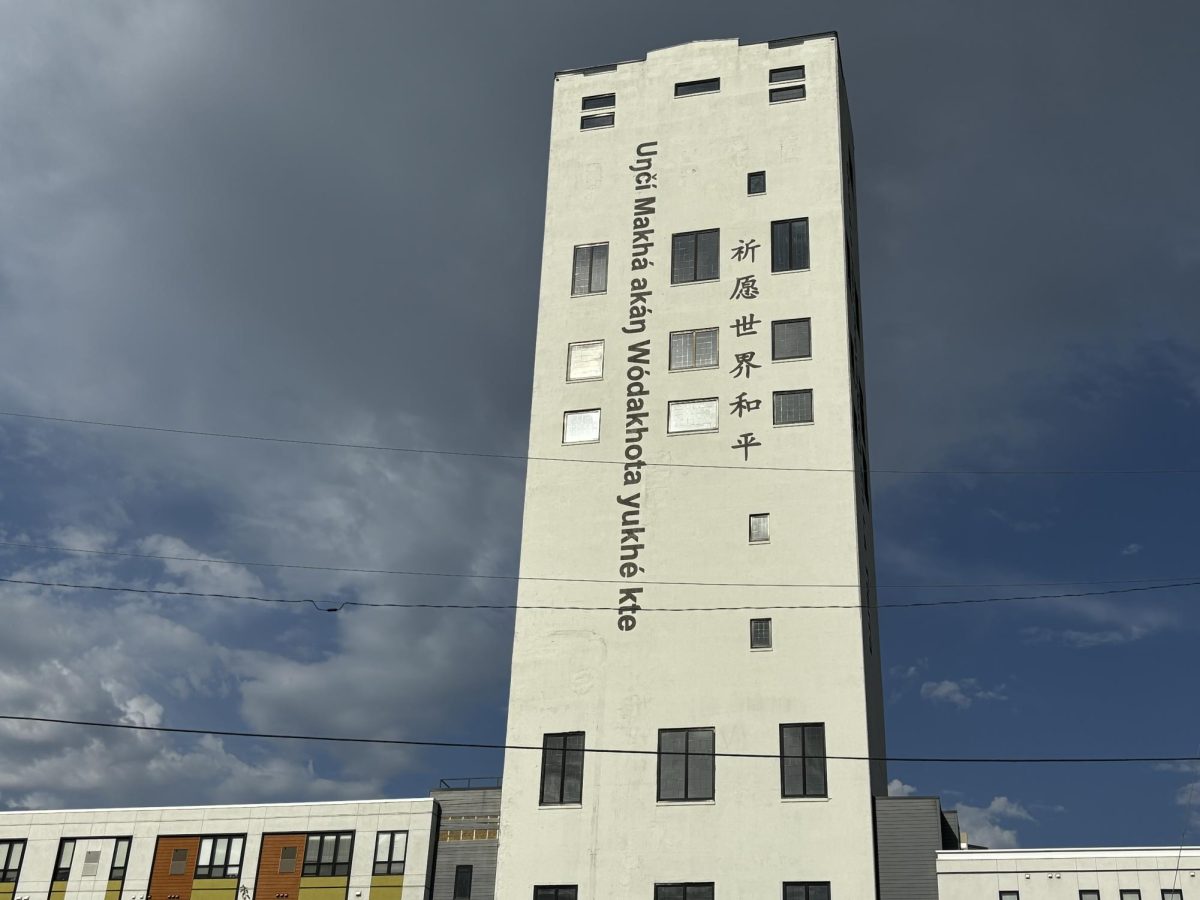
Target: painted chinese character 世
[744,325]
[745,250]
[745,362]
[744,443]
[742,405]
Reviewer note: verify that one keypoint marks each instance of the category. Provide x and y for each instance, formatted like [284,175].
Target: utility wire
[608,462]
[340,605]
[626,752]
[501,577]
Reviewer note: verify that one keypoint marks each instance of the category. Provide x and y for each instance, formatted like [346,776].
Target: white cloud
[962,693]
[897,788]
[1131,549]
[993,825]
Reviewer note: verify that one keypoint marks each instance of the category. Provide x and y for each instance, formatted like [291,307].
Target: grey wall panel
[467,811]
[908,836]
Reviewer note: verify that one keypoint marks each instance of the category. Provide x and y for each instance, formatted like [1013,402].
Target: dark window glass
[120,859]
[806,890]
[556,892]
[1131,895]
[287,860]
[589,270]
[562,768]
[756,183]
[328,854]
[695,256]
[66,853]
[791,339]
[760,634]
[390,848]
[792,407]
[783,94]
[462,882]
[11,853]
[600,101]
[686,764]
[693,349]
[178,861]
[789,245]
[788,73]
[690,891]
[706,86]
[802,760]
[598,121]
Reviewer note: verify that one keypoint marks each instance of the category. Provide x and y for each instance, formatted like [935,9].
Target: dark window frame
[770,644]
[806,886]
[227,868]
[750,528]
[716,330]
[599,101]
[459,871]
[687,886]
[695,237]
[1129,893]
[812,413]
[327,869]
[115,872]
[563,799]
[750,176]
[1010,895]
[687,755]
[556,892]
[1089,894]
[785,73]
[9,873]
[591,269]
[788,93]
[697,87]
[796,321]
[599,120]
[804,758]
[388,865]
[61,872]
[1172,893]
[796,262]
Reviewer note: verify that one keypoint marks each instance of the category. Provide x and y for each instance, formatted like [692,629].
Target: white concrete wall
[577,671]
[1062,874]
[95,828]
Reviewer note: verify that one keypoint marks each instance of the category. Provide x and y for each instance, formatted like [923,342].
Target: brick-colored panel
[164,885]
[270,883]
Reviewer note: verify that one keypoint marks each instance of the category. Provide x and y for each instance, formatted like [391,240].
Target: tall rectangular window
[581,426]
[789,245]
[179,861]
[462,882]
[220,856]
[556,892]
[120,860]
[328,854]
[704,86]
[589,270]
[760,634]
[689,891]
[791,339]
[686,763]
[562,768]
[11,853]
[585,361]
[66,854]
[390,847]
[806,890]
[802,760]
[684,416]
[693,349]
[756,183]
[695,256]
[760,528]
[792,407]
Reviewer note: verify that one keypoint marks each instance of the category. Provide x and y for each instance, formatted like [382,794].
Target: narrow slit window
[787,73]
[120,859]
[601,120]
[462,882]
[703,86]
[687,891]
[784,94]
[556,892]
[600,101]
[806,890]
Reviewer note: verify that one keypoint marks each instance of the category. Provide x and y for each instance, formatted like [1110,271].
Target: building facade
[468,837]
[699,362]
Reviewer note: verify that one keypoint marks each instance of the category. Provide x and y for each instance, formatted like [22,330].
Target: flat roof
[776,42]
[1066,852]
[101,809]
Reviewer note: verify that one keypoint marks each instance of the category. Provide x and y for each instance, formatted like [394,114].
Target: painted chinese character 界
[745,362]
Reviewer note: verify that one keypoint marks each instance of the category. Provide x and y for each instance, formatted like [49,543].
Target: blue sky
[251,218]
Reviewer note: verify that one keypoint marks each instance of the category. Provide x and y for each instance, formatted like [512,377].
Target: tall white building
[699,336]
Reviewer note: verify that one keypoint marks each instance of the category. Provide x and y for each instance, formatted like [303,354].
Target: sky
[324,221]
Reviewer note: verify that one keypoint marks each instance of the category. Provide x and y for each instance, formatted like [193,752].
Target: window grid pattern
[328,854]
[589,270]
[693,349]
[789,245]
[802,760]
[791,339]
[220,856]
[685,416]
[686,891]
[760,634]
[760,528]
[462,882]
[11,854]
[792,407]
[686,763]
[695,256]
[806,890]
[581,426]
[390,849]
[756,183]
[562,768]
[585,361]
[120,859]
[66,854]
[556,892]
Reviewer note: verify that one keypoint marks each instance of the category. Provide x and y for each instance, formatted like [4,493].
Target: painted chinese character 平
[745,362]
[742,405]
[745,288]
[745,250]
[744,443]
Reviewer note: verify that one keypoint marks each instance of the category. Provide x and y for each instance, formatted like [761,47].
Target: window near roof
[11,853]
[760,634]
[581,426]
[686,416]
[760,528]
[287,860]
[802,760]
[686,763]
[220,856]
[91,863]
[179,857]
[1089,895]
[120,859]
[695,256]
[599,101]
[695,349]
[585,361]
[589,270]
[703,86]
[756,183]
[602,120]
[791,79]
[390,848]
[789,245]
[562,768]
[787,73]
[328,854]
[791,339]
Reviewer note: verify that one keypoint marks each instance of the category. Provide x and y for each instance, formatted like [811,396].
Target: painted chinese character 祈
[745,325]
[745,362]
[744,443]
[742,405]
[746,288]
[745,250]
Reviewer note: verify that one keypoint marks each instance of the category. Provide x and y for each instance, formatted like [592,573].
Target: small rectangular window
[1172,894]
[791,339]
[687,416]
[179,858]
[1089,895]
[686,763]
[562,768]
[760,528]
[287,860]
[756,183]
[462,882]
[11,853]
[1010,895]
[581,426]
[602,120]
[792,408]
[693,349]
[328,854]
[556,892]
[695,256]
[1131,895]
[802,760]
[704,86]
[600,101]
[784,94]
[585,361]
[806,890]
[120,859]
[788,73]
[789,245]
[589,270]
[760,634]
[390,849]
[689,891]
[91,863]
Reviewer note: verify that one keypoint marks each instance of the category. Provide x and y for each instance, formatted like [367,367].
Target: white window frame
[571,348]
[716,405]
[576,412]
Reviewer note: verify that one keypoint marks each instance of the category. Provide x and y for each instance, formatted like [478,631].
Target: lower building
[468,839]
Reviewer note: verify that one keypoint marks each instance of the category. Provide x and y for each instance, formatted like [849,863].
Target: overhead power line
[336,606]
[470,745]
[566,459]
[502,577]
